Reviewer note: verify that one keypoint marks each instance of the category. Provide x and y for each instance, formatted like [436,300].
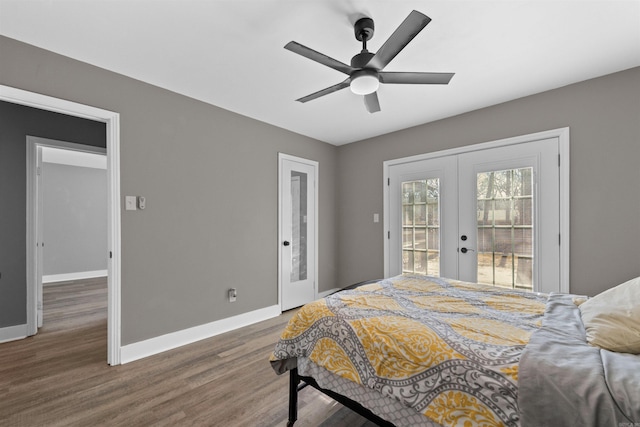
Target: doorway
[70,180]
[297,218]
[494,213]
[112,121]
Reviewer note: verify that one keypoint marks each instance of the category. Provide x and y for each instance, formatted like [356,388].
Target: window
[505,228]
[421,227]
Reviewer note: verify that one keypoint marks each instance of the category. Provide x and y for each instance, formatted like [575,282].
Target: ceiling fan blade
[372,103]
[410,27]
[415,78]
[326,91]
[319,57]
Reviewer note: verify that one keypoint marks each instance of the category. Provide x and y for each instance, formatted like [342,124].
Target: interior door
[490,216]
[298,231]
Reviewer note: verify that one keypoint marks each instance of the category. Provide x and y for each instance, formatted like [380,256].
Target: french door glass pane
[298,226]
[505,228]
[421,227]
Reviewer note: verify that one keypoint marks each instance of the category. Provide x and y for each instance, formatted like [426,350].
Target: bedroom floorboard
[60,377]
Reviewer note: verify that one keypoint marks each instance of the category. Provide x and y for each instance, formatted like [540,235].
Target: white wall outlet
[233,295]
[130,203]
[376,217]
[142,202]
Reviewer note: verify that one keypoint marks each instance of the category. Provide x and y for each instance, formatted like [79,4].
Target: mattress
[442,349]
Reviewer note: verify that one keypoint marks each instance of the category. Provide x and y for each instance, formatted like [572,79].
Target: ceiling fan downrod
[363,29]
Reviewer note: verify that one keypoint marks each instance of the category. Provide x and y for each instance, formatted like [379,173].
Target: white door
[422,195]
[297,231]
[39,235]
[511,237]
[490,216]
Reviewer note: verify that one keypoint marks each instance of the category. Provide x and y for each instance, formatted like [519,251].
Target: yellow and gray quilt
[446,348]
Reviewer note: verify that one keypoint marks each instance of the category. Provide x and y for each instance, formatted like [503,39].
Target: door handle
[286,243]
[465,250]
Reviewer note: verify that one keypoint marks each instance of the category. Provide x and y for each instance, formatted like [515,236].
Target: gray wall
[210,179]
[16,122]
[604,119]
[75,219]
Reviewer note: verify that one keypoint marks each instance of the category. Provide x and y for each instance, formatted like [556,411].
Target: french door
[490,215]
[297,230]
[422,196]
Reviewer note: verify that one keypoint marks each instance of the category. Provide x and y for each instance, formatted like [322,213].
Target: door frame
[112,121]
[563,146]
[281,158]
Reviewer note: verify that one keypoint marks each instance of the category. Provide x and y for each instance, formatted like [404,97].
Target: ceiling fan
[365,72]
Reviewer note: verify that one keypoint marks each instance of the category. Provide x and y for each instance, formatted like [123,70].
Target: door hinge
[559,239]
[110,254]
[388,234]
[388,181]
[558,160]
[38,170]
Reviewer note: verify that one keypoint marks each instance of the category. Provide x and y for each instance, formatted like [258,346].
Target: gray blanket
[564,381]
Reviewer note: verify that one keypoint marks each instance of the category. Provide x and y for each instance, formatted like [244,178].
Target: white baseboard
[51,278]
[329,292]
[12,333]
[139,350]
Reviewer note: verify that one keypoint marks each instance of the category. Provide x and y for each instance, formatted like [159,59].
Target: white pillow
[612,318]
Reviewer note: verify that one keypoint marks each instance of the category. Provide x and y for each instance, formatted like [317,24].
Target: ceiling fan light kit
[365,72]
[364,82]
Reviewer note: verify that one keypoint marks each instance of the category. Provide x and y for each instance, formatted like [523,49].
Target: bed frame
[297,382]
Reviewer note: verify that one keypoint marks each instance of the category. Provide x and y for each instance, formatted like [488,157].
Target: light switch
[376,217]
[130,203]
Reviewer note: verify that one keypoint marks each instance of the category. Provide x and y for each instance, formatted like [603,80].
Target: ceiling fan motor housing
[362,59]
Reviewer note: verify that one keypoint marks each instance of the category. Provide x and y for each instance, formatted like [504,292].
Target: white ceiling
[230,53]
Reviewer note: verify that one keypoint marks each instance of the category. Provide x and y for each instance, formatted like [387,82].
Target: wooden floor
[60,377]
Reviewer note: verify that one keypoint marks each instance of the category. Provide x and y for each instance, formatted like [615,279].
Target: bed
[427,351]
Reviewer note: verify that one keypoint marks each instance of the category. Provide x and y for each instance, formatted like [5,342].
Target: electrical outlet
[233,294]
